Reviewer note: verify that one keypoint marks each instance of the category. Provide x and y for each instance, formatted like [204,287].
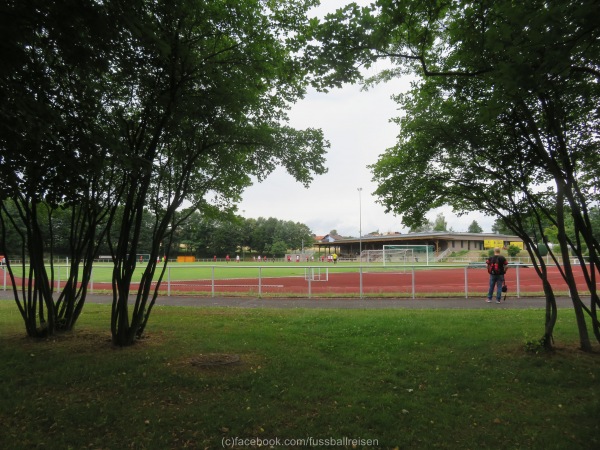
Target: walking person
[497,266]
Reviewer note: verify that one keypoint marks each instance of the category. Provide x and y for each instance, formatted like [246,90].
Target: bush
[513,250]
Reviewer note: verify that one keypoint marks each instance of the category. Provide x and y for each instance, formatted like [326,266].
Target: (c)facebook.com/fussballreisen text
[232,442]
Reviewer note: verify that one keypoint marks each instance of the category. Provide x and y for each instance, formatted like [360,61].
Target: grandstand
[442,241]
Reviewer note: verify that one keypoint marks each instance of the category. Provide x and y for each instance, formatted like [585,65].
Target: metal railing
[328,280]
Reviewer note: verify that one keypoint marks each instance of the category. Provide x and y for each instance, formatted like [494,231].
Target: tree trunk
[551,315]
[584,338]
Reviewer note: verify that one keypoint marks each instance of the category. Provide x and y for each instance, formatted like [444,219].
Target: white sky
[357,125]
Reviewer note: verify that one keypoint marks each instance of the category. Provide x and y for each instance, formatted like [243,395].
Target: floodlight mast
[360,240]
[360,224]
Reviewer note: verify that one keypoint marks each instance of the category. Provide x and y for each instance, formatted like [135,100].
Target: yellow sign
[517,244]
[492,243]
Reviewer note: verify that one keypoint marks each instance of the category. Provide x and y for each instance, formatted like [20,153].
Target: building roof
[330,238]
[426,235]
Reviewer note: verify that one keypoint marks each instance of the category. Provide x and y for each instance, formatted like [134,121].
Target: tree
[513,250]
[201,92]
[594,214]
[422,226]
[440,223]
[279,248]
[54,164]
[294,234]
[263,233]
[508,104]
[500,227]
[152,104]
[475,228]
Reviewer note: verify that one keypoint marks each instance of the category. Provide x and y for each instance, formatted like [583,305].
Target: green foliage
[536,346]
[459,253]
[123,112]
[57,164]
[504,118]
[278,249]
[475,228]
[543,249]
[209,85]
[500,227]
[513,250]
[440,223]
[422,226]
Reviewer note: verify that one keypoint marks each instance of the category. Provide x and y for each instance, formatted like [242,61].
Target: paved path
[347,303]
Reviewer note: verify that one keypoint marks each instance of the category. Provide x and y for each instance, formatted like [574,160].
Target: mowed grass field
[102,272]
[414,379]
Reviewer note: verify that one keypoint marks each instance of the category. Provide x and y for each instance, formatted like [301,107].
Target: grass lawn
[401,378]
[102,272]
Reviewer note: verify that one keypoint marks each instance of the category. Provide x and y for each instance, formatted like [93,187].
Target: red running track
[435,281]
[451,281]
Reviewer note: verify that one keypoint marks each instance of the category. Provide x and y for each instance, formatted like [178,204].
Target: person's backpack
[494,266]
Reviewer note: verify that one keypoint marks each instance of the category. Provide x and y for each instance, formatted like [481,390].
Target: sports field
[328,280]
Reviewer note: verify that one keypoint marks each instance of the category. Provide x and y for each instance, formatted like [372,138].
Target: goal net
[407,254]
[381,256]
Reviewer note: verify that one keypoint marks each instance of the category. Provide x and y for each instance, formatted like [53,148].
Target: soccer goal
[407,254]
[372,256]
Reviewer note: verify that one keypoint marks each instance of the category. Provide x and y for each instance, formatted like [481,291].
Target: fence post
[413,282]
[518,282]
[466,282]
[212,281]
[361,282]
[310,275]
[168,281]
[260,282]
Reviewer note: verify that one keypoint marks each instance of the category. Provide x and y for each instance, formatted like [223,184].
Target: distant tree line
[198,235]
[206,237]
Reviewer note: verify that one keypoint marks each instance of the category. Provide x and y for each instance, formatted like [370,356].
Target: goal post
[407,254]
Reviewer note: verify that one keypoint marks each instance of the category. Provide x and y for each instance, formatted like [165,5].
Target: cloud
[357,124]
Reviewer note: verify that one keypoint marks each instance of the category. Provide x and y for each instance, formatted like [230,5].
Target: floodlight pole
[243,253]
[360,239]
[360,223]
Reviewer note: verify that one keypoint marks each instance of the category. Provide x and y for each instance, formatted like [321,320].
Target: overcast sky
[357,125]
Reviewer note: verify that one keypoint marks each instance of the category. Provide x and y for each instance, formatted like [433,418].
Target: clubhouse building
[443,242]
